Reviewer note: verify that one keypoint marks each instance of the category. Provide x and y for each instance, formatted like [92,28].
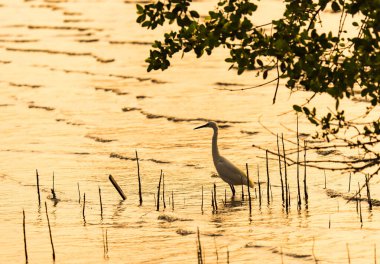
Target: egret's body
[226,170]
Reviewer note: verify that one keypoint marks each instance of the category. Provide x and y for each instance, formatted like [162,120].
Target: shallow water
[76,100]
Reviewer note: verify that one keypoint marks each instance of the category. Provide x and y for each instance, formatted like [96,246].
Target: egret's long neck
[215,151]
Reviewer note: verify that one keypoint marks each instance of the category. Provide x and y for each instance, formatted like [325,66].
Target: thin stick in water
[51,238]
[286,175]
[348,254]
[199,248]
[163,189]
[360,206]
[202,201]
[279,167]
[172,200]
[139,178]
[258,180]
[78,193]
[268,180]
[304,178]
[212,201]
[349,183]
[53,190]
[249,192]
[24,231]
[368,192]
[38,188]
[117,187]
[298,170]
[242,188]
[216,204]
[158,192]
[101,204]
[84,206]
[325,180]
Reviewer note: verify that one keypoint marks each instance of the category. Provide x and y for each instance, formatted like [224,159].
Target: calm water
[69,68]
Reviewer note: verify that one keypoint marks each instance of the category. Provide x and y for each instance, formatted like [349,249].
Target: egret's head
[211,124]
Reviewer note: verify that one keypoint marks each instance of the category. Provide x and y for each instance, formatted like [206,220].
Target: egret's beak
[206,125]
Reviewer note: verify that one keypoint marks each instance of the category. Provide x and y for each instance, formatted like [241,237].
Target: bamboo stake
[199,248]
[202,201]
[78,193]
[215,202]
[286,175]
[242,188]
[38,188]
[258,180]
[84,206]
[101,204]
[298,170]
[24,231]
[53,190]
[139,178]
[51,238]
[348,254]
[368,192]
[360,206]
[172,200]
[304,179]
[163,189]
[349,183]
[158,192]
[212,201]
[279,166]
[268,180]
[249,192]
[117,187]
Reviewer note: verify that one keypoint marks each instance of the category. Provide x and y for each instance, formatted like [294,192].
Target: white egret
[226,170]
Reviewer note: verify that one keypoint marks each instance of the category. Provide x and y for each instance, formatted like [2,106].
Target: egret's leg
[232,189]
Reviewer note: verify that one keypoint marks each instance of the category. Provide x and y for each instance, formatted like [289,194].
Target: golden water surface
[76,101]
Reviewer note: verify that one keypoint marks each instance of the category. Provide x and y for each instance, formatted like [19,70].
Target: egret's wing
[230,173]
